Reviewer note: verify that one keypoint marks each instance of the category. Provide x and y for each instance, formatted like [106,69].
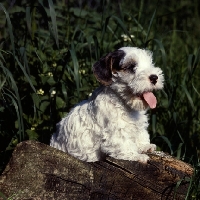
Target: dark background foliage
[47,49]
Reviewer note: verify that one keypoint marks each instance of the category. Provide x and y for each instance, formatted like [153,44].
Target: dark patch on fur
[130,67]
[107,65]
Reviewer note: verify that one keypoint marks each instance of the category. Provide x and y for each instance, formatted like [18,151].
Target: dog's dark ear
[107,65]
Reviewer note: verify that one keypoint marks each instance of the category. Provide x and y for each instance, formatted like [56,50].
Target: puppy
[113,121]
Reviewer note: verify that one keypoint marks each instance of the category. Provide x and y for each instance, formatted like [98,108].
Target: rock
[38,171]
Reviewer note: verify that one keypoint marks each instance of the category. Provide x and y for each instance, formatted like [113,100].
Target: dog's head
[131,73]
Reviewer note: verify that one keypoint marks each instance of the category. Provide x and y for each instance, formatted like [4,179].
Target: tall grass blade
[139,27]
[179,149]
[163,54]
[150,25]
[140,9]
[189,97]
[19,115]
[196,60]
[154,124]
[64,91]
[190,58]
[195,89]
[53,20]
[19,108]
[76,68]
[2,83]
[176,187]
[25,74]
[122,25]
[28,20]
[103,11]
[1,56]
[24,56]
[38,56]
[9,28]
[96,49]
[104,28]
[178,154]
[189,188]
[168,143]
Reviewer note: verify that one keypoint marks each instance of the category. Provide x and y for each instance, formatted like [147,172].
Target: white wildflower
[126,37]
[40,91]
[50,74]
[53,92]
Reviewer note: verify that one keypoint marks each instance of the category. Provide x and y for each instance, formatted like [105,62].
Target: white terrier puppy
[113,121]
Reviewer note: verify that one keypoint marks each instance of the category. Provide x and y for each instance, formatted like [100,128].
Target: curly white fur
[113,121]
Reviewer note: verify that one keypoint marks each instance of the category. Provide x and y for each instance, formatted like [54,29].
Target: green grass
[47,49]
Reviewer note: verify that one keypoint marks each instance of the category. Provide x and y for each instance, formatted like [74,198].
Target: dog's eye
[131,68]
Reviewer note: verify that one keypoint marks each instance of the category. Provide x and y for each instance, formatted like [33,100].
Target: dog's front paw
[141,158]
[148,148]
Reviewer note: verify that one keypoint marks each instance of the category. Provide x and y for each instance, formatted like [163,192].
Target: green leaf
[32,135]
[44,105]
[36,99]
[13,143]
[51,81]
[59,102]
[79,12]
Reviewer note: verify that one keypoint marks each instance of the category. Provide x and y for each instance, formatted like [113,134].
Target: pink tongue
[150,99]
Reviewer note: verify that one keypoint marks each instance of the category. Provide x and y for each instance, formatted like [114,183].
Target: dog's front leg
[127,151]
[143,143]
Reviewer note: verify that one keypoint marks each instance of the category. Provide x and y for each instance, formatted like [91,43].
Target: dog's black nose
[153,78]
